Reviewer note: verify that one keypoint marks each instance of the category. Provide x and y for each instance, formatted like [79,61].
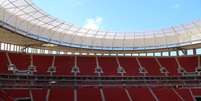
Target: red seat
[141,94]
[130,65]
[189,63]
[39,94]
[151,66]
[164,94]
[115,94]
[3,63]
[64,65]
[109,65]
[86,65]
[89,94]
[5,97]
[22,61]
[18,93]
[170,64]
[185,93]
[61,94]
[42,63]
[196,91]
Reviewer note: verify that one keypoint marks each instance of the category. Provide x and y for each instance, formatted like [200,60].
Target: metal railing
[10,81]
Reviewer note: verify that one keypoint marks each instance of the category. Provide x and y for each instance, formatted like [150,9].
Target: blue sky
[123,15]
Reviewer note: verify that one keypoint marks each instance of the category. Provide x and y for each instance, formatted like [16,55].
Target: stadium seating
[64,65]
[93,94]
[151,66]
[141,94]
[170,64]
[3,63]
[39,94]
[115,94]
[196,92]
[22,61]
[5,97]
[61,94]
[188,63]
[109,65]
[86,65]
[164,93]
[16,93]
[130,65]
[185,93]
[42,63]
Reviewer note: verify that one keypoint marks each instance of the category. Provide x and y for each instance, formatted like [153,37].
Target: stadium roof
[24,17]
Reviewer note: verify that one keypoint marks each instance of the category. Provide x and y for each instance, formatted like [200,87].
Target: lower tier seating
[88,94]
[115,94]
[109,94]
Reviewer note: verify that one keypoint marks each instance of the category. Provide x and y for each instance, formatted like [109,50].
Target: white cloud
[176,6]
[93,23]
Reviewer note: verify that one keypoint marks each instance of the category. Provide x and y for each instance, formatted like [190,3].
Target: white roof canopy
[26,18]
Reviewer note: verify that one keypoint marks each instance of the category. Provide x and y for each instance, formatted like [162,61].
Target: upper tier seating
[130,65]
[170,64]
[189,63]
[87,65]
[64,64]
[151,66]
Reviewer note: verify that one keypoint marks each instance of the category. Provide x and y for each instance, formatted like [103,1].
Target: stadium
[43,58]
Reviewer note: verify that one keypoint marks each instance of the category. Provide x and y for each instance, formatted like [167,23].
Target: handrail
[46,81]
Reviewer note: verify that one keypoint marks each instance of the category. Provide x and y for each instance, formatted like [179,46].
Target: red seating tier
[61,94]
[64,65]
[89,94]
[4,96]
[170,64]
[115,94]
[130,65]
[3,63]
[185,94]
[188,63]
[151,66]
[42,63]
[141,94]
[109,65]
[86,65]
[39,94]
[22,61]
[196,91]
[164,94]
[18,93]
